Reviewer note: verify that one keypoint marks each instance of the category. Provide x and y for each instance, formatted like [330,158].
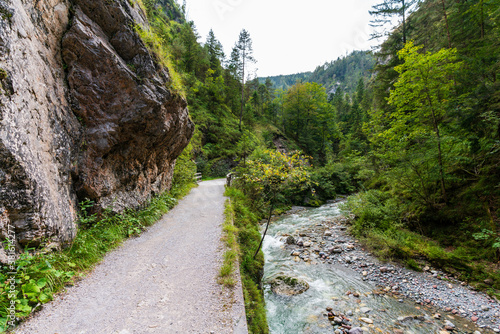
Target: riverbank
[329,242]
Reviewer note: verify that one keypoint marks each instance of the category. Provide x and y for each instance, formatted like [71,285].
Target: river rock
[290,240]
[449,324]
[366,320]
[336,250]
[337,320]
[489,281]
[356,330]
[365,310]
[287,286]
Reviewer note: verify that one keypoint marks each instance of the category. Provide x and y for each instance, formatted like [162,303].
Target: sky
[289,36]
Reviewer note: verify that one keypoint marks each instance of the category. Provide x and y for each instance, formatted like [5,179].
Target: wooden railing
[197,177]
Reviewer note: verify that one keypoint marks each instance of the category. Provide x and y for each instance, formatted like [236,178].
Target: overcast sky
[289,36]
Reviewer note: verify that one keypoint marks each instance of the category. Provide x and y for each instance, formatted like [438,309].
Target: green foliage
[231,255]
[307,117]
[333,179]
[3,75]
[374,209]
[184,172]
[273,177]
[286,81]
[246,220]
[489,238]
[6,14]
[159,48]
[385,11]
[342,73]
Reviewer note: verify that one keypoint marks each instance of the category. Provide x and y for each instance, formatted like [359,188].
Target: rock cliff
[85,112]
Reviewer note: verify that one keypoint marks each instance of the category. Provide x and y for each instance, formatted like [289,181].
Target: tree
[385,11]
[241,56]
[246,145]
[423,96]
[215,51]
[273,176]
[308,117]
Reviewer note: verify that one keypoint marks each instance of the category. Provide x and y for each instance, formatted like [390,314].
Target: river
[333,285]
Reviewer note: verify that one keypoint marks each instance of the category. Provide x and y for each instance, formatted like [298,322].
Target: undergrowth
[378,226]
[246,220]
[227,270]
[158,37]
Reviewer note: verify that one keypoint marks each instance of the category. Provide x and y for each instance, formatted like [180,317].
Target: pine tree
[385,11]
[241,56]
[215,51]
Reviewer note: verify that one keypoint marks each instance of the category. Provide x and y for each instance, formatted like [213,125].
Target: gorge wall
[85,112]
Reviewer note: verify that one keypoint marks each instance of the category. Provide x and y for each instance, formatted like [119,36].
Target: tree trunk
[265,231]
[242,89]
[404,22]
[482,18]
[440,153]
[447,26]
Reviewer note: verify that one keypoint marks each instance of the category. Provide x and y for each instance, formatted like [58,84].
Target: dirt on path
[164,281]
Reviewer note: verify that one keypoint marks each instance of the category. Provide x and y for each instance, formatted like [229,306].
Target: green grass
[246,220]
[227,270]
[159,49]
[210,178]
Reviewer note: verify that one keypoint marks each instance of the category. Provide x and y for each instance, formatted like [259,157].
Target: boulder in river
[290,240]
[287,286]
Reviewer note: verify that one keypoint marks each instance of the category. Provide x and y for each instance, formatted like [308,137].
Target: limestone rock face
[133,126]
[38,130]
[85,112]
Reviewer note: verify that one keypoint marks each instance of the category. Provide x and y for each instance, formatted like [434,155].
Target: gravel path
[164,281]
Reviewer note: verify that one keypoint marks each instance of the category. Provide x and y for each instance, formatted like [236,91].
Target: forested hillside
[418,137]
[288,80]
[343,73]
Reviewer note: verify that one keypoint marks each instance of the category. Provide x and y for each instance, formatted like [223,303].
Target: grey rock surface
[76,121]
[164,281]
[38,129]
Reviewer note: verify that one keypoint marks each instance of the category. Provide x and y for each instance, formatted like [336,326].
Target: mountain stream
[312,246]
